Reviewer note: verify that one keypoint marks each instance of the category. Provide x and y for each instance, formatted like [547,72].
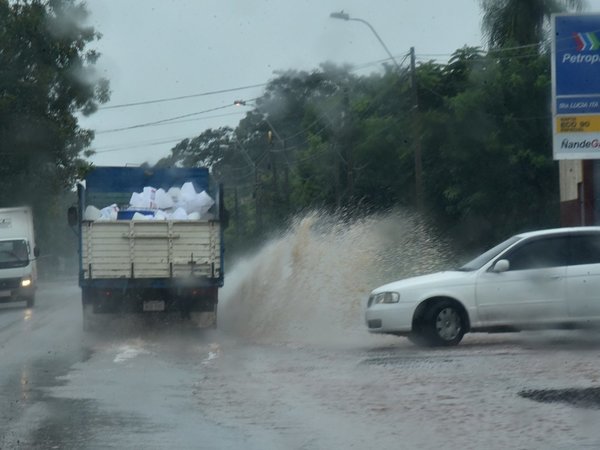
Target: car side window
[540,253]
[584,249]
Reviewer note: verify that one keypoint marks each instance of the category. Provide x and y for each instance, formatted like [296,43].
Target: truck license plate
[4,293]
[154,305]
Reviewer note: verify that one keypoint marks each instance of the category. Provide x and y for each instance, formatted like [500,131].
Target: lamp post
[344,16]
[417,129]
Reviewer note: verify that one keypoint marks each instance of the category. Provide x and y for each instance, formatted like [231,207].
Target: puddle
[579,397]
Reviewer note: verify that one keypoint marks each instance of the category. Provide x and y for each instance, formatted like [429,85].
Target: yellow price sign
[578,124]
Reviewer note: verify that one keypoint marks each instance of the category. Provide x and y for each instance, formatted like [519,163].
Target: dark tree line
[329,138]
[336,140]
[47,78]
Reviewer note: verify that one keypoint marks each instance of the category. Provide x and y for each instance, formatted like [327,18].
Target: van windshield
[13,253]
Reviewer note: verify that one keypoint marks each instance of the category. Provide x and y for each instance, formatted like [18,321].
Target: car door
[583,277]
[533,288]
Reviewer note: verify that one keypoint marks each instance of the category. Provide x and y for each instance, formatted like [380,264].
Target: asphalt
[61,388]
[152,382]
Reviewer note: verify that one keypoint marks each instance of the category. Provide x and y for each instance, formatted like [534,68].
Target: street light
[418,158]
[345,16]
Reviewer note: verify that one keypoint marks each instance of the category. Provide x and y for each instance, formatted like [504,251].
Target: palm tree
[509,23]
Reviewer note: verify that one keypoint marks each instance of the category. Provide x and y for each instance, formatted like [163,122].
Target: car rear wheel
[443,325]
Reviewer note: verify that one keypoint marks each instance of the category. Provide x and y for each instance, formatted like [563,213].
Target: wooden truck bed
[153,249]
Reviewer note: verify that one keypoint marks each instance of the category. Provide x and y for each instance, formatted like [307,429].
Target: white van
[18,271]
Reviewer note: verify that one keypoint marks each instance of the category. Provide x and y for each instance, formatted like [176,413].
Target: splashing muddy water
[310,285]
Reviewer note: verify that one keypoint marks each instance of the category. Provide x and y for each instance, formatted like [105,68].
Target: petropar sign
[576,86]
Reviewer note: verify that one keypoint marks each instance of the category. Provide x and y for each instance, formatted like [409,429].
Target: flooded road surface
[141,384]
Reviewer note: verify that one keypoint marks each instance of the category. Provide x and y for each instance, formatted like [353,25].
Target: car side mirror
[501,265]
[72,216]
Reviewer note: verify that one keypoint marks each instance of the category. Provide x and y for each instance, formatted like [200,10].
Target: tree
[347,142]
[509,23]
[47,78]
[489,168]
[209,149]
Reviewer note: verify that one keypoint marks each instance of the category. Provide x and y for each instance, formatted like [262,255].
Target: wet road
[165,385]
[128,387]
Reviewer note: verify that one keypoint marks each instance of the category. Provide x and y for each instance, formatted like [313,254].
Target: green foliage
[344,141]
[339,141]
[498,149]
[46,78]
[521,22]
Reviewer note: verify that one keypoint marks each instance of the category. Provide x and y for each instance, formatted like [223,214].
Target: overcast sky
[157,49]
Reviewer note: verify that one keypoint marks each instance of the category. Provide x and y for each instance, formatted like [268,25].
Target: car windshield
[13,253]
[484,258]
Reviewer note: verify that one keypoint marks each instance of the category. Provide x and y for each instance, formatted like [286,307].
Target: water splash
[310,285]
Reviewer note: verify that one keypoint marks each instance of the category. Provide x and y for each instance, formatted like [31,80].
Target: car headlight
[384,297]
[26,282]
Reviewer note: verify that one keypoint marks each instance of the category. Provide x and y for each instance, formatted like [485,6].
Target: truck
[148,266]
[18,254]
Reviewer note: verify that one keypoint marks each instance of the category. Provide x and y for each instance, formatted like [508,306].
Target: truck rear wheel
[89,319]
[204,319]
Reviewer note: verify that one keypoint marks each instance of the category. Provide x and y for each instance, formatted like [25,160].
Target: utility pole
[415,109]
[238,222]
[286,171]
[256,194]
[348,147]
[416,133]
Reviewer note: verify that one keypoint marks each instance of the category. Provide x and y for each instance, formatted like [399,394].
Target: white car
[540,279]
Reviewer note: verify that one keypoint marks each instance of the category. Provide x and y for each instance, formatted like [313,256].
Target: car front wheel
[443,325]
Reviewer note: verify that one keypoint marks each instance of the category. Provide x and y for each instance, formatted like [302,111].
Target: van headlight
[384,297]
[26,282]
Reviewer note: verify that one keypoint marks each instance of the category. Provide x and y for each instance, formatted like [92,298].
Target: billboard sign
[576,86]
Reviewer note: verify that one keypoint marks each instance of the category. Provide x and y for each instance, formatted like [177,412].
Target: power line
[308,127]
[422,58]
[223,91]
[173,120]
[182,97]
[507,49]
[214,116]
[138,145]
[156,122]
[305,130]
[379,61]
[359,67]
[258,160]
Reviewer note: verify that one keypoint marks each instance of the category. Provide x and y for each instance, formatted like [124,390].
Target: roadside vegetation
[335,138]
